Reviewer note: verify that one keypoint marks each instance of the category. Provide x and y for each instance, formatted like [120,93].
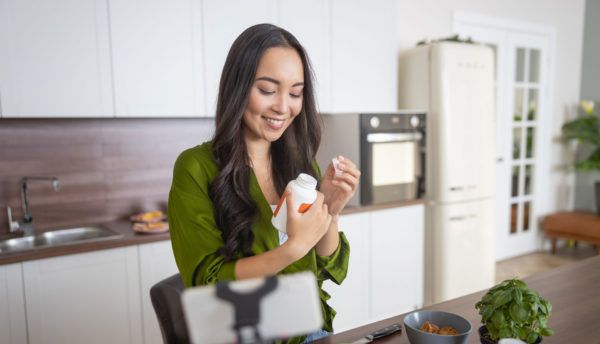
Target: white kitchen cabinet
[385,274]
[156,263]
[396,261]
[157,58]
[315,37]
[13,326]
[222,22]
[364,55]
[84,298]
[351,298]
[55,59]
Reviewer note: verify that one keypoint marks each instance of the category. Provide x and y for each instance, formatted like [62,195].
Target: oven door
[393,166]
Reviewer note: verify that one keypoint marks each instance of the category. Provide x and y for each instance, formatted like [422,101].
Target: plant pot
[484,339]
[598,197]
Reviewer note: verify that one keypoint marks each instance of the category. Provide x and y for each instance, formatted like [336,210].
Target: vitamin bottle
[304,189]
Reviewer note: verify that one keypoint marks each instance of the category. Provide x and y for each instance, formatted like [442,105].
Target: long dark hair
[235,210]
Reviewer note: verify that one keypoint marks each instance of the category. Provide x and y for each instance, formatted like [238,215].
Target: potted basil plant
[585,130]
[511,310]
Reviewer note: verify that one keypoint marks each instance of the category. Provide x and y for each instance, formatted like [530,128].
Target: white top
[282,236]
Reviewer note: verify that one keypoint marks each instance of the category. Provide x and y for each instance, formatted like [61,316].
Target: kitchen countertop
[129,237]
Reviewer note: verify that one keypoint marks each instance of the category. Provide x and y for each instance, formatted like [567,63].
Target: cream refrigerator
[455,83]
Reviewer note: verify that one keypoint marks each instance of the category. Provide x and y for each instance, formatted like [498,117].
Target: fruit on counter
[149,216]
[151,227]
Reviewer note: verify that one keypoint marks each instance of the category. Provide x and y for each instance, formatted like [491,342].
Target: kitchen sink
[58,237]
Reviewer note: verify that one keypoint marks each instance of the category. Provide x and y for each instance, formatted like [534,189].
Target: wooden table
[573,290]
[573,225]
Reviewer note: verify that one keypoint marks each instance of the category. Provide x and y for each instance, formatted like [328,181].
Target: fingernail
[340,158]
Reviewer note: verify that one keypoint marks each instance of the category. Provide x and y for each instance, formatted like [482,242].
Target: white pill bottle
[304,189]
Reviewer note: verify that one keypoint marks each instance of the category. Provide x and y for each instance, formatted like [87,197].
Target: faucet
[26,225]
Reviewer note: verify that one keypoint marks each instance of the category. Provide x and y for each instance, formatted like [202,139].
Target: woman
[223,192]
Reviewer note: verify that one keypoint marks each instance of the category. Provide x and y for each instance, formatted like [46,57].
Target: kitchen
[102,98]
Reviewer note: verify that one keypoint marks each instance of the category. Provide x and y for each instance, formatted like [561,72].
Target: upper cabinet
[157,58]
[364,55]
[55,59]
[315,37]
[133,58]
[222,22]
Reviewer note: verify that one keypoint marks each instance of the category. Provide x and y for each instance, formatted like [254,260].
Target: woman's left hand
[339,188]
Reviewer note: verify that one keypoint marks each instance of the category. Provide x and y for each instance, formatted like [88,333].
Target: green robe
[196,238]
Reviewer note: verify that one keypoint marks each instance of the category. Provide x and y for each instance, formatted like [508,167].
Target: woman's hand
[339,188]
[304,230]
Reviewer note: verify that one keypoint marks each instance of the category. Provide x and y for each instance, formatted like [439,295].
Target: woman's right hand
[304,230]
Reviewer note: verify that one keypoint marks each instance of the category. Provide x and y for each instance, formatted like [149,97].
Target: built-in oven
[390,149]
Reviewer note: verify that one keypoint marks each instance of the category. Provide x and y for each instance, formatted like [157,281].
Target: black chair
[166,299]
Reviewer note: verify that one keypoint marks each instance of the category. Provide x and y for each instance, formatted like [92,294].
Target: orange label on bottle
[304,208]
[281,200]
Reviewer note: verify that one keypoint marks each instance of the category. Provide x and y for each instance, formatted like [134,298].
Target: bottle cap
[306,181]
[335,162]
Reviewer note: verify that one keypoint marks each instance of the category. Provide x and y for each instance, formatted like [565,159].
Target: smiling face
[276,95]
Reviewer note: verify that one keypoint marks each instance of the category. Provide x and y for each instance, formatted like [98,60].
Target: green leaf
[532,337]
[518,312]
[584,128]
[548,307]
[492,331]
[504,333]
[518,295]
[498,320]
[502,298]
[522,333]
[520,284]
[487,314]
[544,331]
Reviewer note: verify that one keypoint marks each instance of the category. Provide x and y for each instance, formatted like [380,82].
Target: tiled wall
[108,168]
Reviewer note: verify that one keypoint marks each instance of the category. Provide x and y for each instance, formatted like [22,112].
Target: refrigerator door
[462,126]
[459,255]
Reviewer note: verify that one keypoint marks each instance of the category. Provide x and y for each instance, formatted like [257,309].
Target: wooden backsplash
[108,168]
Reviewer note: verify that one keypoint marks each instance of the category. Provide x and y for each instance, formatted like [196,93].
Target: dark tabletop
[573,290]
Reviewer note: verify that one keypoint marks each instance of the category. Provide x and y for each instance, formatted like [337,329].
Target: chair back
[166,299]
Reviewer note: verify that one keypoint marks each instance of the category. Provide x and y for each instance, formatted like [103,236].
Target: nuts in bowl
[436,327]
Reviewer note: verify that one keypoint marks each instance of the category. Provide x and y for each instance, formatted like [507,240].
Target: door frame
[541,198]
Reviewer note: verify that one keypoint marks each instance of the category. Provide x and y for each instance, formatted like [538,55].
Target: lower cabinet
[13,324]
[385,274]
[84,298]
[351,299]
[104,296]
[95,297]
[397,261]
[156,263]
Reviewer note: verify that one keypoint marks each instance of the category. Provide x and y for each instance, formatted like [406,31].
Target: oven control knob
[374,122]
[414,121]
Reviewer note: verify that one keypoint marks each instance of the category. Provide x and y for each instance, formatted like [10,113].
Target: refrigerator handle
[462,217]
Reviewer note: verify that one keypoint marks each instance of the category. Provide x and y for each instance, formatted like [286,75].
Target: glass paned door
[525,125]
[521,84]
[527,64]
